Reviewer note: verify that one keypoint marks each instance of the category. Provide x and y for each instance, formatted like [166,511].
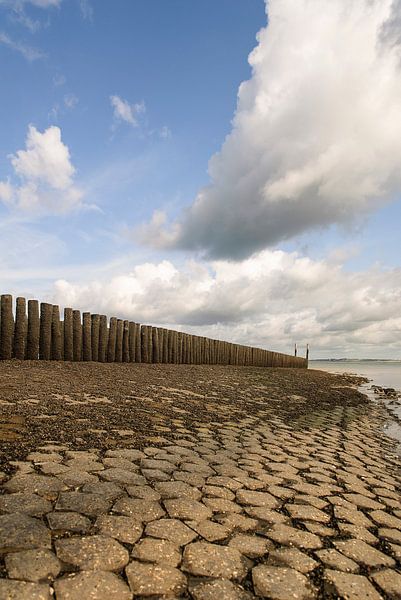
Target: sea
[383,373]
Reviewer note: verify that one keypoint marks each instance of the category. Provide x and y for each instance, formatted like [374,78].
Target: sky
[230,169]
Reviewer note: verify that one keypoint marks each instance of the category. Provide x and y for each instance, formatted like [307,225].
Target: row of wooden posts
[39,333]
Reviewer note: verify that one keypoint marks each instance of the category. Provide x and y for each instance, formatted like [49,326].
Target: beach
[195,482]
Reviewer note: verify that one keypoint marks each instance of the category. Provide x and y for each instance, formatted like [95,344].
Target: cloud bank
[45,174]
[316,137]
[272,299]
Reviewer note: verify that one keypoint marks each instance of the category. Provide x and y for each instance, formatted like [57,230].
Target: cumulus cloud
[272,299]
[45,174]
[316,137]
[124,111]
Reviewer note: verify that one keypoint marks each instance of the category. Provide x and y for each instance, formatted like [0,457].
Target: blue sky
[110,114]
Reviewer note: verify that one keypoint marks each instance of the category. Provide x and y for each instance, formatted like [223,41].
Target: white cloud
[124,111]
[316,137]
[272,299]
[28,52]
[46,176]
[70,101]
[86,9]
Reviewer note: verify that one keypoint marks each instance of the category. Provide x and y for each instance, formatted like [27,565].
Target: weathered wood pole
[56,348]
[169,346]
[86,336]
[95,327]
[155,343]
[132,341]
[77,335]
[68,335]
[165,346]
[111,345]
[103,338]
[6,327]
[138,344]
[145,343]
[45,336]
[126,341]
[119,340]
[32,350]
[21,328]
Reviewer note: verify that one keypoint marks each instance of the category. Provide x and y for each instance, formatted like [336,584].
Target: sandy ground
[239,483]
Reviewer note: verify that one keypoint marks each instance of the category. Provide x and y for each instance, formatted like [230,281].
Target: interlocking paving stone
[177,489]
[363,553]
[124,529]
[356,517]
[30,504]
[186,509]
[392,535]
[128,454]
[157,551]
[23,590]
[289,536]
[363,502]
[266,514]
[281,583]
[335,560]
[254,498]
[142,510]
[33,565]
[382,518]
[209,530]
[96,585]
[20,532]
[120,463]
[122,476]
[68,521]
[307,513]
[107,489]
[171,529]
[292,557]
[250,545]
[219,589]
[221,505]
[47,487]
[212,560]
[87,504]
[389,581]
[360,533]
[92,553]
[349,586]
[155,580]
[143,491]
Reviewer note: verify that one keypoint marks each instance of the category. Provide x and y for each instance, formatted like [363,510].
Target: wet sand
[195,481]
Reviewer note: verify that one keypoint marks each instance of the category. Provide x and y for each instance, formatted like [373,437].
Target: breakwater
[31,330]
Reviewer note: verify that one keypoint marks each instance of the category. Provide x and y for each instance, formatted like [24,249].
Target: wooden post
[45,335]
[77,335]
[169,346]
[6,327]
[132,341]
[21,326]
[32,350]
[126,341]
[155,343]
[307,352]
[119,340]
[295,352]
[86,336]
[144,343]
[56,353]
[68,335]
[103,338]
[138,345]
[95,327]
[165,346]
[111,345]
